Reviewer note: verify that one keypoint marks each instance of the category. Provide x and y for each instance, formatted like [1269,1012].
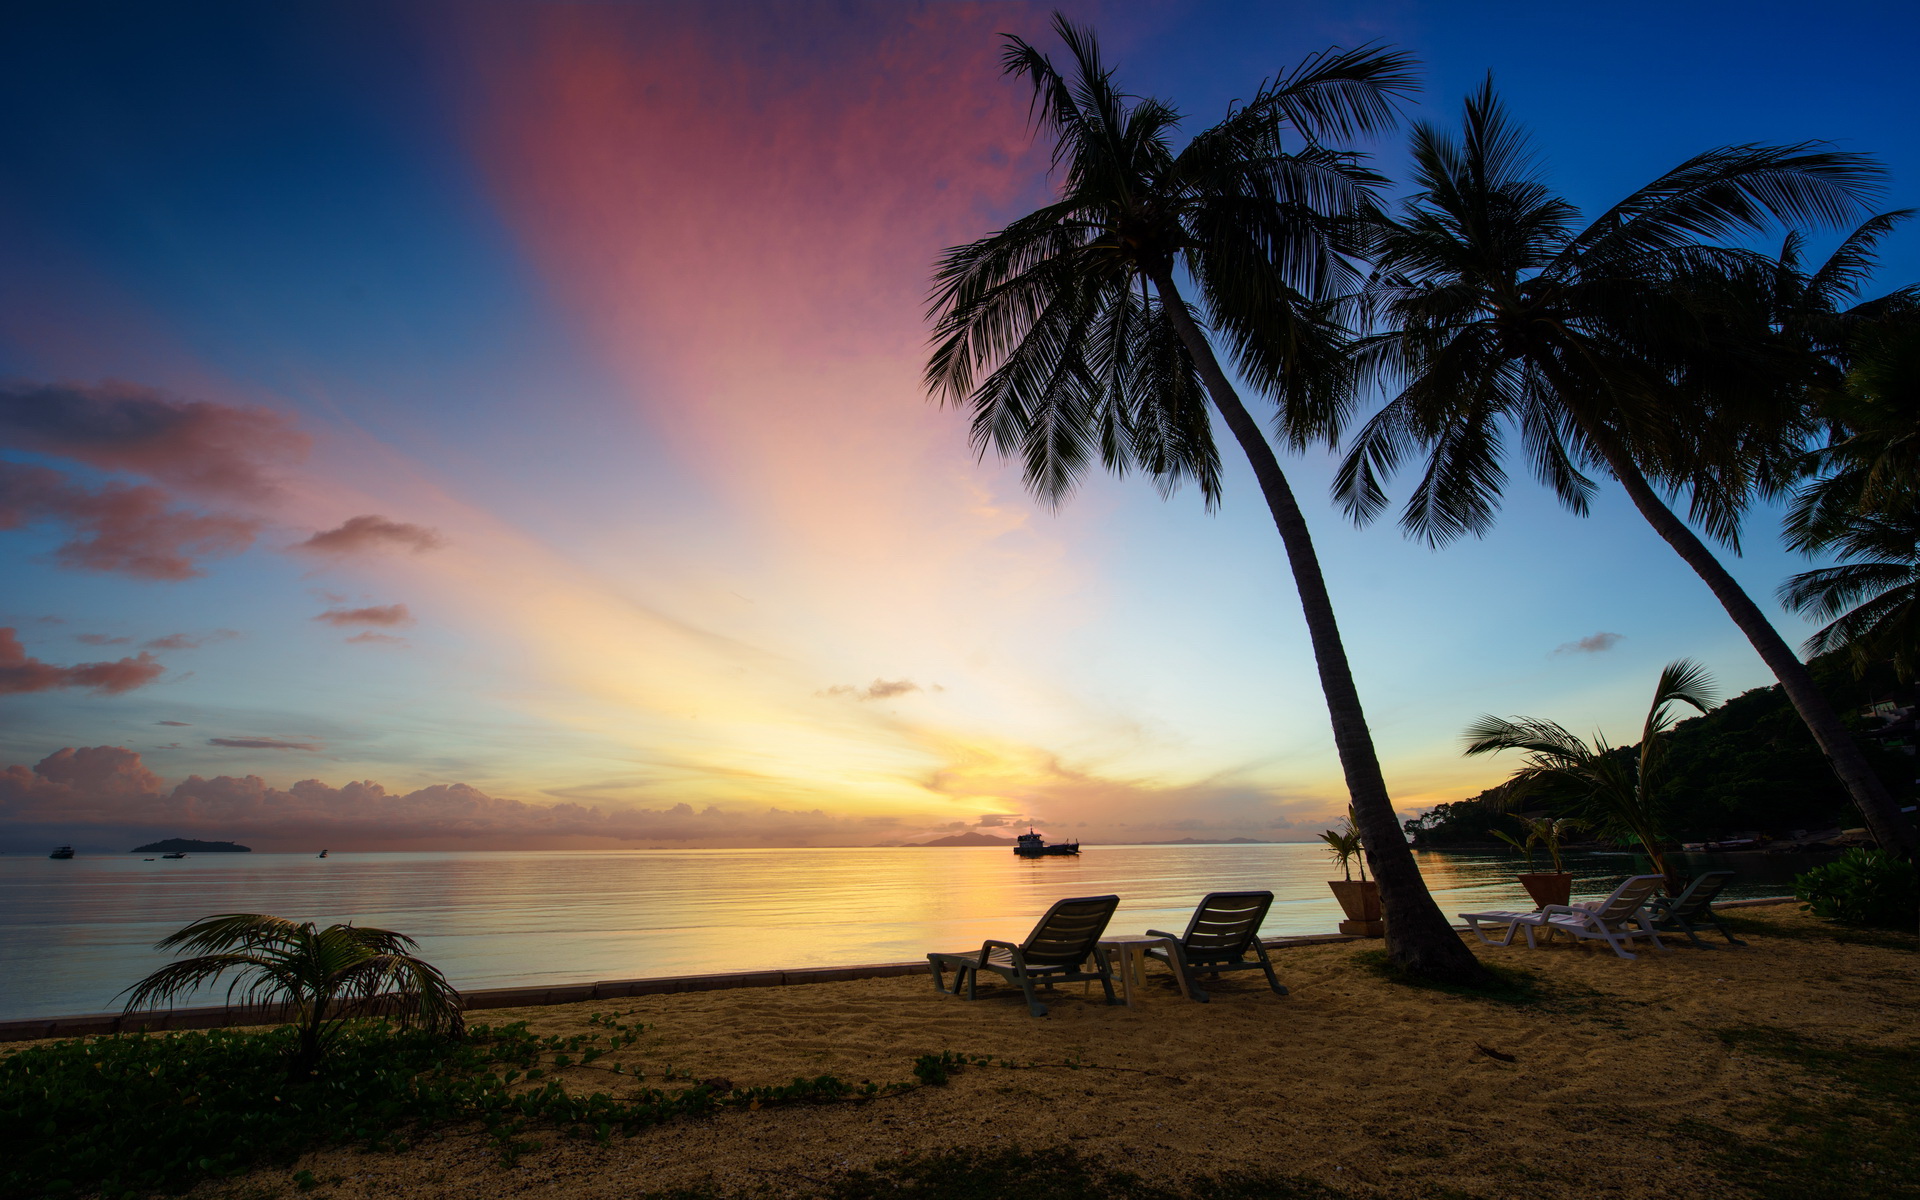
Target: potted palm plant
[1623,792]
[1545,887]
[1359,898]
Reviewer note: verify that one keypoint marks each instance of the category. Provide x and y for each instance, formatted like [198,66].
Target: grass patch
[1800,931]
[1055,1174]
[132,1115]
[1855,1139]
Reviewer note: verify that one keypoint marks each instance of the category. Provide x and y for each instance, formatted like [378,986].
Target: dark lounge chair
[1693,910]
[1058,950]
[1224,931]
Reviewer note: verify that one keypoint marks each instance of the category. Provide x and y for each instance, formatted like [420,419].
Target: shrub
[130,1115]
[1863,887]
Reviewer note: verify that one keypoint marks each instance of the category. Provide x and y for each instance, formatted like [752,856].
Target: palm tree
[1864,499]
[1629,346]
[326,975]
[1871,603]
[1619,793]
[1068,336]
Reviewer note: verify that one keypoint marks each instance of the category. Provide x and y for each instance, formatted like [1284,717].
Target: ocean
[74,933]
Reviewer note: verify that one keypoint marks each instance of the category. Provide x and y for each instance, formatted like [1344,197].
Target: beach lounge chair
[1501,918]
[1224,935]
[1057,951]
[1617,920]
[1693,910]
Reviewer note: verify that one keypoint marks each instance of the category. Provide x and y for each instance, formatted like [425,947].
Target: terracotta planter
[1548,887]
[1360,900]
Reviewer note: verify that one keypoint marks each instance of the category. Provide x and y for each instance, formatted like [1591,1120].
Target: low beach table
[1128,953]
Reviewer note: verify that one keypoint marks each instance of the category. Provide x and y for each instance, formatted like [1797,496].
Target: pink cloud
[370,638]
[187,641]
[129,530]
[100,639]
[372,532]
[193,445]
[110,786]
[378,614]
[265,743]
[20,674]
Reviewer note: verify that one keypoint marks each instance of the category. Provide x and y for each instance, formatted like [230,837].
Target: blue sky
[617,307]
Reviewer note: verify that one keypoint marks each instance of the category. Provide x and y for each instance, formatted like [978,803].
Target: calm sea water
[74,933]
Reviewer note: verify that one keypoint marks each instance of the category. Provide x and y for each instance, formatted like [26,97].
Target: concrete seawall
[480,999]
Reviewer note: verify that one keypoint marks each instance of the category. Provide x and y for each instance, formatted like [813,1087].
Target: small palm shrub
[1863,887]
[326,976]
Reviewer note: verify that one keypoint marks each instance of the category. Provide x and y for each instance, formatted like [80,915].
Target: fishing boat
[175,854]
[61,852]
[1032,845]
[322,854]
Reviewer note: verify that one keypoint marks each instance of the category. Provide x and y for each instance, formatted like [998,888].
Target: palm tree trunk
[1419,939]
[1890,828]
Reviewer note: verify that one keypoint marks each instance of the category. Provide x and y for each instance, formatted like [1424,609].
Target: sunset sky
[507,420]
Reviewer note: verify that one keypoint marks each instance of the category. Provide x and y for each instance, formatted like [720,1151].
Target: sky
[500,425]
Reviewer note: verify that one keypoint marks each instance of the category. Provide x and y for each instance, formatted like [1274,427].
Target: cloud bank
[372,532]
[378,614]
[20,673]
[108,787]
[119,528]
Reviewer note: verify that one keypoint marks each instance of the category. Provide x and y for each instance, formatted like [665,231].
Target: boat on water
[61,852]
[1032,845]
[322,854]
[175,854]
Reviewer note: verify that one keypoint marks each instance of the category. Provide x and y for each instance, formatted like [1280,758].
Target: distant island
[967,839]
[183,845]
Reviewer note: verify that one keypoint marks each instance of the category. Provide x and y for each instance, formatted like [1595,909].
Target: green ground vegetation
[135,1115]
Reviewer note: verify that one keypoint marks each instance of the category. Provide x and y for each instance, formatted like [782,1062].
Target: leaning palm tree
[326,975]
[1068,334]
[1618,793]
[1631,346]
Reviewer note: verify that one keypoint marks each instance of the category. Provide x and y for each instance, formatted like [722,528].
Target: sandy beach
[1353,1081]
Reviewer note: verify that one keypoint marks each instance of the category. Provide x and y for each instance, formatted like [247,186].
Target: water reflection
[72,934]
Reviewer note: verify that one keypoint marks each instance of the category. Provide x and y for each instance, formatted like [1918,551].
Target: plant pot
[1548,887]
[1360,900]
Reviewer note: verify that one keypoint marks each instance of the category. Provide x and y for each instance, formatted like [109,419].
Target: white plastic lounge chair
[1617,920]
[1500,918]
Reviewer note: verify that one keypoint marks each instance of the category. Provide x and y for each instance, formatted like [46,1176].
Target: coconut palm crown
[326,975]
[1068,336]
[1639,345]
[1619,794]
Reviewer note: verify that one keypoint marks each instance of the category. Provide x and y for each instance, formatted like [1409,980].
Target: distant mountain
[186,845]
[967,839]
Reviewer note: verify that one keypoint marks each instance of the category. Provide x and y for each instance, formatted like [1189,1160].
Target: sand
[1357,1082]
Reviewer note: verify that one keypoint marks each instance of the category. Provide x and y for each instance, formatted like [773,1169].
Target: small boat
[322,854]
[175,854]
[1032,845]
[61,852]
